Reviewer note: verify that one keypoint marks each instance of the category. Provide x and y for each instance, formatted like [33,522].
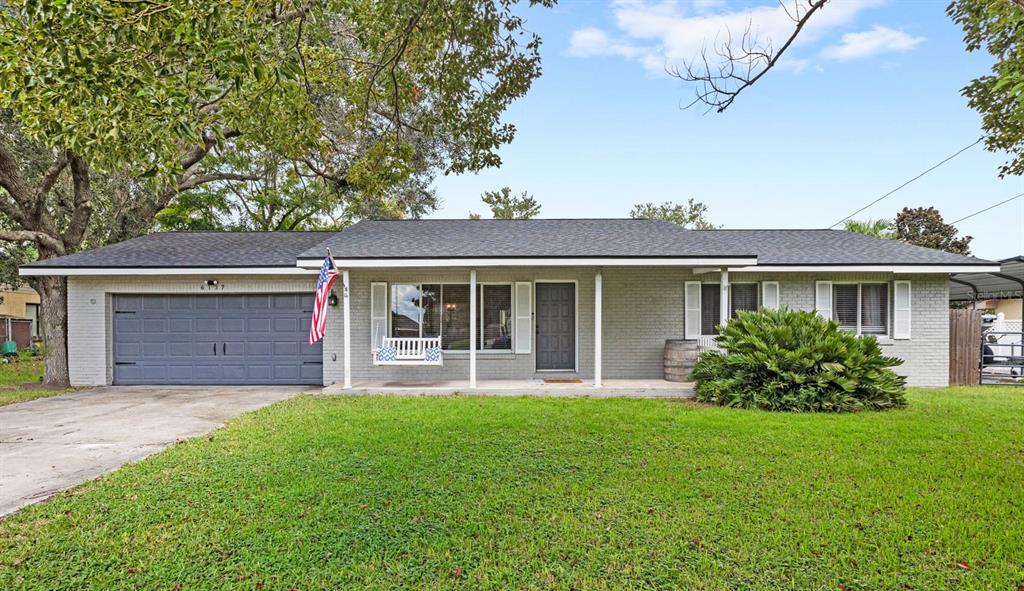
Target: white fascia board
[151,271]
[897,269]
[527,262]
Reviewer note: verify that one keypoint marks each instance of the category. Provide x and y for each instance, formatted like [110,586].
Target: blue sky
[868,99]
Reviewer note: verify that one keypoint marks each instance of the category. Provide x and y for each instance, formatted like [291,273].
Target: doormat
[556,381]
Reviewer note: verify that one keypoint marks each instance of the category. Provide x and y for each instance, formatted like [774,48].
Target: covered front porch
[609,388]
[551,329]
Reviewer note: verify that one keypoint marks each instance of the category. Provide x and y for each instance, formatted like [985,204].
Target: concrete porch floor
[639,388]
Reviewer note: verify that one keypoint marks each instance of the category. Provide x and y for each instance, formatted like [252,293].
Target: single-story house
[431,300]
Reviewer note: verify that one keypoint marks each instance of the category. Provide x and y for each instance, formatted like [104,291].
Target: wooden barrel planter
[680,357]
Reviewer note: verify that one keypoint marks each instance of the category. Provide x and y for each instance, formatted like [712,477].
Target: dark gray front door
[556,326]
[215,339]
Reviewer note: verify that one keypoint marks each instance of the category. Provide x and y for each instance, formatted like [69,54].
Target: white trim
[939,269]
[597,328]
[819,301]
[724,298]
[472,328]
[385,329]
[347,315]
[530,262]
[898,331]
[522,340]
[691,326]
[100,271]
[764,290]
[576,321]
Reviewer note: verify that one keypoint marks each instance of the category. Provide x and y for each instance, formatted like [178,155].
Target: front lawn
[499,493]
[21,381]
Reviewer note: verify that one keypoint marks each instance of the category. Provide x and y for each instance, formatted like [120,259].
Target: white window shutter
[524,317]
[770,295]
[823,299]
[378,314]
[901,310]
[691,318]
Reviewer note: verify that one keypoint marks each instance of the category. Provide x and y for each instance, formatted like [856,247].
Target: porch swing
[409,351]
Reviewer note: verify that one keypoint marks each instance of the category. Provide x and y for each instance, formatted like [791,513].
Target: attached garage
[214,339]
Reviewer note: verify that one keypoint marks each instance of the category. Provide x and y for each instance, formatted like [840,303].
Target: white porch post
[723,308]
[348,328]
[472,328]
[597,329]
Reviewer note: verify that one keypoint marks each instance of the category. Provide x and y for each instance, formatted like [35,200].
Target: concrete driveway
[51,444]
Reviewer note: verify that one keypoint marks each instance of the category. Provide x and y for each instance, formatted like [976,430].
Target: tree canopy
[506,206]
[924,226]
[880,228]
[692,214]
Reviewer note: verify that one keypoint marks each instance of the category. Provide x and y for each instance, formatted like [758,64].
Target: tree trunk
[53,291]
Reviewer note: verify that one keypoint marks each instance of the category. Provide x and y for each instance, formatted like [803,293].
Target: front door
[556,326]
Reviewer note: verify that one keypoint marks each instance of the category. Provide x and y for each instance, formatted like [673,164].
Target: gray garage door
[215,339]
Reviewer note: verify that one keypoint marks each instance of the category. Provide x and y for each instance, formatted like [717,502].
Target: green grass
[499,493]
[14,376]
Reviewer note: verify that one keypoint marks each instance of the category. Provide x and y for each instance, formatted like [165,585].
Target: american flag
[328,273]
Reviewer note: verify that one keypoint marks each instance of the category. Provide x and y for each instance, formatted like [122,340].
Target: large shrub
[794,360]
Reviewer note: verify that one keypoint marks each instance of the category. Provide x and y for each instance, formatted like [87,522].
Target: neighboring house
[499,299]
[22,302]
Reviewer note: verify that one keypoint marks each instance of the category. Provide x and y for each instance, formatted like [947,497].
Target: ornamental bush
[797,361]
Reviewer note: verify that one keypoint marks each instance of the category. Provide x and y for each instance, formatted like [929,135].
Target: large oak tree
[151,99]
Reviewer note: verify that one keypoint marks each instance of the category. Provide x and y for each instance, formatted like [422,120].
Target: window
[710,308]
[432,310]
[742,296]
[862,308]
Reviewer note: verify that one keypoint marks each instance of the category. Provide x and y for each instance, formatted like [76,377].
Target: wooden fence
[964,346]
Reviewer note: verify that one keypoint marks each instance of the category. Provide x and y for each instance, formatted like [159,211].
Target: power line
[943,161]
[1017,196]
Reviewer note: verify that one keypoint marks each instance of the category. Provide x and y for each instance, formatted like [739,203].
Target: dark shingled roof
[196,249]
[619,238]
[522,238]
[578,238]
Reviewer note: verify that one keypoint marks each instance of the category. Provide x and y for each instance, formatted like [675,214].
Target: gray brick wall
[642,307]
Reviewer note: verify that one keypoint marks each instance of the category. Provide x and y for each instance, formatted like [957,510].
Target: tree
[692,214]
[506,206]
[924,226]
[997,26]
[286,195]
[880,228]
[147,98]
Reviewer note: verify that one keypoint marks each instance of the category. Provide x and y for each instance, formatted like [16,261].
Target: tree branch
[740,67]
[83,204]
[42,238]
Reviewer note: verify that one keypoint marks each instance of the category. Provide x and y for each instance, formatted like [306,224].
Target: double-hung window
[742,296]
[862,308]
[442,310]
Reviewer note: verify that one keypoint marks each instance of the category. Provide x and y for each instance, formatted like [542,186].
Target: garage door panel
[217,338]
[127,350]
[258,325]
[232,325]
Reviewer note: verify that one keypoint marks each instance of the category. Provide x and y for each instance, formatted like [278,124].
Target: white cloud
[867,43]
[664,33]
